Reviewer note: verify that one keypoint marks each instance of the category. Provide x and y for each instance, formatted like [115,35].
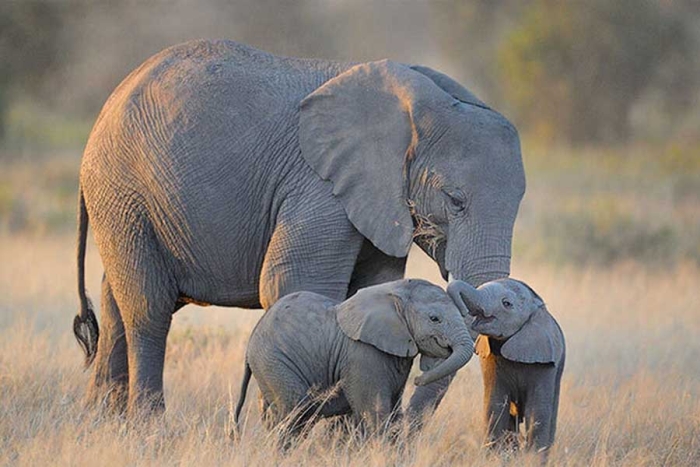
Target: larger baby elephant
[361,350]
[522,358]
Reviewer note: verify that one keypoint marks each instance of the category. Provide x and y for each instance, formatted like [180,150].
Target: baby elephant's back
[299,332]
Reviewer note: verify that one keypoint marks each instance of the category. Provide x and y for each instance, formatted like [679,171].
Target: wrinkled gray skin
[522,353]
[363,348]
[220,174]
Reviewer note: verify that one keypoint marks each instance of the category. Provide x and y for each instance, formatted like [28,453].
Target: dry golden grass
[630,391]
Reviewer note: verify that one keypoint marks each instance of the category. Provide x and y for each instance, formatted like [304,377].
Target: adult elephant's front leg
[374,267]
[311,250]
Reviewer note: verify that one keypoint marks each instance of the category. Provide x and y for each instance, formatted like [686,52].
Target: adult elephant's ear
[450,86]
[359,131]
[540,340]
[374,315]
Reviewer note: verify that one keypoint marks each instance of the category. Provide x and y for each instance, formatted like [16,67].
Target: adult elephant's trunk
[478,249]
[461,354]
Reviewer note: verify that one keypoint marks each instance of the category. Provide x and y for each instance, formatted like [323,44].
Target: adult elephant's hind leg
[147,300]
[110,378]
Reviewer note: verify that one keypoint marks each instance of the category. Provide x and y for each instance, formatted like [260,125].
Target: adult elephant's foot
[109,399]
[149,404]
[146,358]
[108,390]
[426,399]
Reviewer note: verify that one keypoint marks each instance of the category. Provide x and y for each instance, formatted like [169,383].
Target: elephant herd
[220,174]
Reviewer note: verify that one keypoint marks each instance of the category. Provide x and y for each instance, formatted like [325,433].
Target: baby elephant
[522,353]
[359,352]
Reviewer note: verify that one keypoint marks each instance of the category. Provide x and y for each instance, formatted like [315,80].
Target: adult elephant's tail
[241,401]
[85,324]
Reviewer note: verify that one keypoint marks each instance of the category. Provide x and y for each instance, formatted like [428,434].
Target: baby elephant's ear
[375,316]
[540,340]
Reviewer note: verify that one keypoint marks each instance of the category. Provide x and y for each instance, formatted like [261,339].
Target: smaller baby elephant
[522,354]
[359,352]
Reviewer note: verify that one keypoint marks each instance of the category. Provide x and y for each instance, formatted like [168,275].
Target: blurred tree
[468,34]
[106,39]
[28,48]
[573,70]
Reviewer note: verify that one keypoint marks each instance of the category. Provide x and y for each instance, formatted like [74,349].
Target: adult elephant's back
[198,146]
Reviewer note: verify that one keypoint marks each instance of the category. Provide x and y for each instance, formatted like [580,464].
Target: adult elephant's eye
[457,201]
[506,303]
[435,319]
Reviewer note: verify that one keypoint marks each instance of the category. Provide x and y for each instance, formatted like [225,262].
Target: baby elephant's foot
[506,445]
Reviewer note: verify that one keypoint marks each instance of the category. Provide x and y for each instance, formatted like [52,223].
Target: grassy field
[613,247]
[631,389]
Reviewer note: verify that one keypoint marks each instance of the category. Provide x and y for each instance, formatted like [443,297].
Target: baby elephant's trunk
[461,354]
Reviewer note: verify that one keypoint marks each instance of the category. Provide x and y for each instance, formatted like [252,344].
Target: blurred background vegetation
[606,96]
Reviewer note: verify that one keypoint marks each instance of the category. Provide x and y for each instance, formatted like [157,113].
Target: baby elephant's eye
[435,319]
[506,303]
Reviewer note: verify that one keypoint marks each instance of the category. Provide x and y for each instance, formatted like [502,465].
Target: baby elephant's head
[500,308]
[406,317]
[509,310]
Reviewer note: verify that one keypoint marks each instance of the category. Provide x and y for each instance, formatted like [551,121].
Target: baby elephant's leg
[539,422]
[502,427]
[285,404]
[501,423]
[269,420]
[373,409]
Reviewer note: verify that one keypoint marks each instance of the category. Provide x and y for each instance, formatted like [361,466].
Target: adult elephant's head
[412,155]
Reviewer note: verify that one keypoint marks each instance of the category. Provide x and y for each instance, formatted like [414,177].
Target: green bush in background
[29,50]
[576,69]
[597,71]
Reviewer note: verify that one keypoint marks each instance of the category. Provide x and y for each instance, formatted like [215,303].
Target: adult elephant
[220,174]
